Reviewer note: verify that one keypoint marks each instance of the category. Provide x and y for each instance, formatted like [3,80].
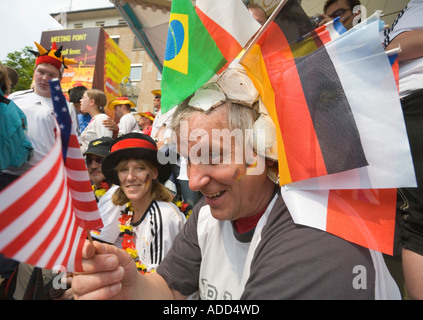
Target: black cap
[99,147]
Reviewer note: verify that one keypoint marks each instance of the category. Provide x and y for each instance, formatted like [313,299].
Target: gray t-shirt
[289,261]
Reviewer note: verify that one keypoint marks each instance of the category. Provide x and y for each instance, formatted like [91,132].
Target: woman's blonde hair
[98,96]
[158,191]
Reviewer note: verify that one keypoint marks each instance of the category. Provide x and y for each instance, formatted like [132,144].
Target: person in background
[97,150]
[407,32]
[258,13]
[75,95]
[15,149]
[145,122]
[340,8]
[123,116]
[13,76]
[93,102]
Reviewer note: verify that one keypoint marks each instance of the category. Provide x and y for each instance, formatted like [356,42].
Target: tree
[23,62]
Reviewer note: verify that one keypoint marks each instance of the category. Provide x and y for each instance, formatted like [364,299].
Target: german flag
[301,89]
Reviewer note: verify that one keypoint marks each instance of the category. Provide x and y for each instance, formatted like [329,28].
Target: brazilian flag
[191,58]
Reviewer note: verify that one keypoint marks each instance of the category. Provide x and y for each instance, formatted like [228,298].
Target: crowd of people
[203,228]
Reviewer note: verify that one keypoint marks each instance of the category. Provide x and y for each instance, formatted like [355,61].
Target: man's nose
[198,175]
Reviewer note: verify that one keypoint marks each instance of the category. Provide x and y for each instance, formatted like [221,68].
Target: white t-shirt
[128,124]
[154,233]
[41,121]
[411,72]
[95,130]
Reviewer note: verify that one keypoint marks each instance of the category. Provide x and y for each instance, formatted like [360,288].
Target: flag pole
[251,44]
[394,51]
[90,238]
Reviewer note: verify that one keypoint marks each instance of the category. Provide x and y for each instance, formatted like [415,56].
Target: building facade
[145,76]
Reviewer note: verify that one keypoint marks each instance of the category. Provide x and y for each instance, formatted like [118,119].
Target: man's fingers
[102,285]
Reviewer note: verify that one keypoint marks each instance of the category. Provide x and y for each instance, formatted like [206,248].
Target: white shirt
[410,72]
[95,130]
[110,215]
[128,124]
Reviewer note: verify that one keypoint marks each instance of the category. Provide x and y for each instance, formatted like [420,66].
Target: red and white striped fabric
[217,17]
[38,225]
[43,214]
[365,217]
[83,199]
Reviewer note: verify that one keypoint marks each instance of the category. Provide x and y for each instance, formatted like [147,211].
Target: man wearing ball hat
[123,116]
[145,122]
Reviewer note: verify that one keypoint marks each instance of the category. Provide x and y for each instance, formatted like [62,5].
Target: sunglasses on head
[339,13]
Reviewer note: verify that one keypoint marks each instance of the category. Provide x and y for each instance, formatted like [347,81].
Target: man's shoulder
[20,94]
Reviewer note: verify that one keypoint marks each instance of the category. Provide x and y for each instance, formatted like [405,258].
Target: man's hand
[109,273]
[111,124]
[325,20]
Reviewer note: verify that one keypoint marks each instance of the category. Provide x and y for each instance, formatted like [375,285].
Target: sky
[23,21]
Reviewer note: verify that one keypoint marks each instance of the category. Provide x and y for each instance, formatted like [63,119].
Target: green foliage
[23,62]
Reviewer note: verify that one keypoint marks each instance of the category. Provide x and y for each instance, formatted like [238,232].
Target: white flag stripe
[223,11]
[86,215]
[74,153]
[82,196]
[307,207]
[26,219]
[32,177]
[77,175]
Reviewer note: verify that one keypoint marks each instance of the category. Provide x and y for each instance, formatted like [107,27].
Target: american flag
[45,213]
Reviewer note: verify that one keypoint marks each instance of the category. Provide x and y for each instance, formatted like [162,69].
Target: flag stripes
[318,130]
[365,216]
[44,213]
[38,226]
[82,198]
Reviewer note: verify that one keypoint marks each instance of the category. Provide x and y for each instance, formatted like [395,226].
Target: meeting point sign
[101,64]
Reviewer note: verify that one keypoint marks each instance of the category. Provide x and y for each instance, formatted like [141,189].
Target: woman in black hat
[150,221]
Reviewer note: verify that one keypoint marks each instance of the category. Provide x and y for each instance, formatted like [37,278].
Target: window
[137,45]
[136,72]
[121,22]
[116,39]
[78,25]
[99,23]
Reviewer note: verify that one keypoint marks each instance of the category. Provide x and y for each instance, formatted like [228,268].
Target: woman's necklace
[128,237]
